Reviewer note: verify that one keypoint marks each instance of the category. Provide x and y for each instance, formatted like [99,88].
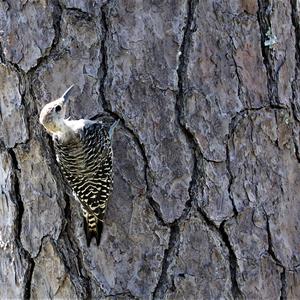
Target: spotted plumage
[84,154]
[86,163]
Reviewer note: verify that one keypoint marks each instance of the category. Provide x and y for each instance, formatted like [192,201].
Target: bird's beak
[67,94]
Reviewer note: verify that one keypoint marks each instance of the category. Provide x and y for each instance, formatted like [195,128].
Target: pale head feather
[52,116]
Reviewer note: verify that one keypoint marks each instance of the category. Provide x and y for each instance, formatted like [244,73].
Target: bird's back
[86,162]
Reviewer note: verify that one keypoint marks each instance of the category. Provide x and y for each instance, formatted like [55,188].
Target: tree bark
[206,157]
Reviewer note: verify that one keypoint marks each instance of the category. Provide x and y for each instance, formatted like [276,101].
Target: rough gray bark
[207,177]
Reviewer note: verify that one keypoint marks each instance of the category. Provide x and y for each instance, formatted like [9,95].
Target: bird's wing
[86,162]
[95,185]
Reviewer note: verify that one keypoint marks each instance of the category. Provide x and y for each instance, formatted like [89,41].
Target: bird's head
[53,114]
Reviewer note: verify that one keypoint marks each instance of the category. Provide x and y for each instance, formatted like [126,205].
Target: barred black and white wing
[86,163]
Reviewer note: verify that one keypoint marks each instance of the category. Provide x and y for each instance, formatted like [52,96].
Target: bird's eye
[58,108]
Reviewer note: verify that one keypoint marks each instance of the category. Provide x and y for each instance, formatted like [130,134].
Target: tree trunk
[206,157]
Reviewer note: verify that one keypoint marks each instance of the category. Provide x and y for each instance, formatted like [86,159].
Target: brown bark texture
[206,199]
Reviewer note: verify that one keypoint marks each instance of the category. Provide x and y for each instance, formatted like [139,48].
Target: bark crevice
[233,261]
[169,254]
[103,63]
[231,178]
[197,157]
[57,17]
[85,15]
[18,228]
[233,264]
[2,57]
[283,290]
[264,21]
[270,242]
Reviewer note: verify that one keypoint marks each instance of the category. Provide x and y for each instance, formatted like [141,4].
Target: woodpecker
[84,155]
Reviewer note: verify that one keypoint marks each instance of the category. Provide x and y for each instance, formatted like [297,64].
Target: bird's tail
[92,227]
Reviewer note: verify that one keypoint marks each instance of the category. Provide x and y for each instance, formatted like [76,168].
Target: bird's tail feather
[93,228]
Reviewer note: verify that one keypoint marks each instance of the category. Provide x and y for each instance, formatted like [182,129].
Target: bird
[84,154]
